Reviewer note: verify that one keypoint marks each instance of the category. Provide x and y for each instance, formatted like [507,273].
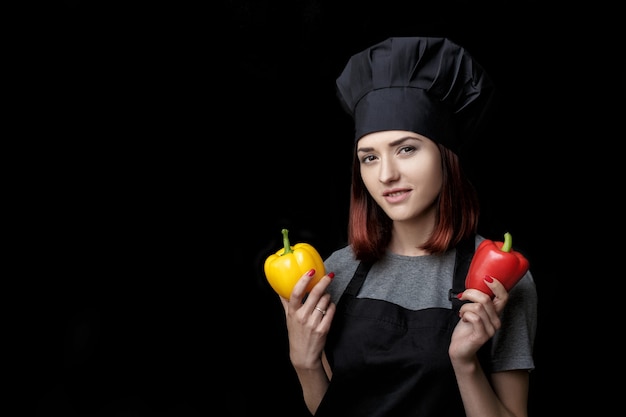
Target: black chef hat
[426,85]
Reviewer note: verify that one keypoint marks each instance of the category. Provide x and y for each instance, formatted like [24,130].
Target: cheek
[437,177]
[429,171]
[369,176]
[430,176]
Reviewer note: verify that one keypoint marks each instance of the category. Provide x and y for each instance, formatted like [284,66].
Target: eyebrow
[391,144]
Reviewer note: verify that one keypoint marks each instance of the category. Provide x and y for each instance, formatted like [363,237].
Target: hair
[458,209]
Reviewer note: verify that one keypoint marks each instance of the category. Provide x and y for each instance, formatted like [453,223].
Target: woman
[392,331]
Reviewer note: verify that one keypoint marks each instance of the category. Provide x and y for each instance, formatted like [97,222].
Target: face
[402,172]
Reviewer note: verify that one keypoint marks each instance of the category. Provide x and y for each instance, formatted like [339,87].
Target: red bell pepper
[497,260]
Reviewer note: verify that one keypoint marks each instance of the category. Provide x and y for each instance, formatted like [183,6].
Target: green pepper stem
[508,243]
[286,243]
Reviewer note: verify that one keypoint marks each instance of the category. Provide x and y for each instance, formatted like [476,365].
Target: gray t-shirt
[421,282]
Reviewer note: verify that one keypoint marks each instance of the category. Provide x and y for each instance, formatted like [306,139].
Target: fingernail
[459,295]
[311,272]
[331,275]
[488,278]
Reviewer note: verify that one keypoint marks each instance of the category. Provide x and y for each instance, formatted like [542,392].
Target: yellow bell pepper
[285,267]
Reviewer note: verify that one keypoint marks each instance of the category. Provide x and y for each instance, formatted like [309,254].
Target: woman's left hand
[480,319]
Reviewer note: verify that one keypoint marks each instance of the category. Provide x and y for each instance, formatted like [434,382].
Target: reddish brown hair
[369,227]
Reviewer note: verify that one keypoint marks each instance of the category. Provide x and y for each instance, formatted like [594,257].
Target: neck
[406,238]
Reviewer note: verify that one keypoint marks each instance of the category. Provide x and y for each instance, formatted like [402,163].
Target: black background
[175,142]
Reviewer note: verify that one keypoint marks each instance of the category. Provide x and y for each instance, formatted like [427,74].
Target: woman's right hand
[308,322]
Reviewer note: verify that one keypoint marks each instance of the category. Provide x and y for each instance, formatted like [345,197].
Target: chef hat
[426,85]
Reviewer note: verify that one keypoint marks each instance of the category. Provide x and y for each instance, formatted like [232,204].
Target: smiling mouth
[394,194]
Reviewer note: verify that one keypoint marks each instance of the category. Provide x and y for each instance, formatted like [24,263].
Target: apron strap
[464,254]
[358,279]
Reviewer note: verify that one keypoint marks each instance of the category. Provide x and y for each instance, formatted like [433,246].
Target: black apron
[390,361]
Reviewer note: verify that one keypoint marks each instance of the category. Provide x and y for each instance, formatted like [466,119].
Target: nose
[388,171]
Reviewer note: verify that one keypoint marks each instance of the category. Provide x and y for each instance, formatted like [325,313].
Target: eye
[407,149]
[367,159]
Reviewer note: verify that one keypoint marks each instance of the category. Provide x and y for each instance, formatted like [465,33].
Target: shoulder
[479,239]
[341,257]
[513,343]
[343,264]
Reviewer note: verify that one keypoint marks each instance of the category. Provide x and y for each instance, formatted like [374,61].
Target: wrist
[465,366]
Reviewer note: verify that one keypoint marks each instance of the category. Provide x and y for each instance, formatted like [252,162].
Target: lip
[397,195]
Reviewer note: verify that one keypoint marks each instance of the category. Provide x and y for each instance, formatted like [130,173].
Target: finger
[479,297]
[501,295]
[320,310]
[474,295]
[324,301]
[325,319]
[485,310]
[318,299]
[299,290]
[477,316]
[320,288]
[330,311]
[482,305]
[321,305]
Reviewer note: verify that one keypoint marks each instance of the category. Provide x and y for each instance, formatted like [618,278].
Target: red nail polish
[459,295]
[488,278]
[311,272]
[331,275]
